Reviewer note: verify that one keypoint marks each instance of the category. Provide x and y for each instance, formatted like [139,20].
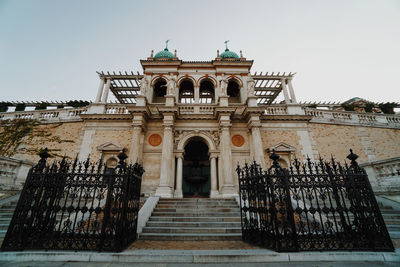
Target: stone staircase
[392,219]
[194,219]
[6,213]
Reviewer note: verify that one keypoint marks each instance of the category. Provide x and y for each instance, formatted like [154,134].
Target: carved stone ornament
[237,140]
[155,139]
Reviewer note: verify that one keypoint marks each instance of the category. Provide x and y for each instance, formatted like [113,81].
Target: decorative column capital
[213,155]
[254,122]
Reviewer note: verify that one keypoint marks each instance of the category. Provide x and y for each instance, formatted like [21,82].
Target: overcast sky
[51,50]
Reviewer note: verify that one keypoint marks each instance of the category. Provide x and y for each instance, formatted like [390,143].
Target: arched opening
[206,92]
[233,91]
[196,169]
[186,92]
[159,91]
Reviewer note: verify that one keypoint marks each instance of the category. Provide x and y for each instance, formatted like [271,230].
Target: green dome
[229,54]
[164,54]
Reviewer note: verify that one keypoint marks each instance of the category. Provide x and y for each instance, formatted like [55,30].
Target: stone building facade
[191,123]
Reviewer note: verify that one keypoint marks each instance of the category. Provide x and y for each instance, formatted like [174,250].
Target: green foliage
[41,106]
[312,106]
[20,107]
[4,106]
[25,136]
[368,107]
[60,106]
[348,107]
[78,103]
[387,108]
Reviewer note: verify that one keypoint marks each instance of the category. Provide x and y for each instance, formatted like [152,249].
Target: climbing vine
[25,136]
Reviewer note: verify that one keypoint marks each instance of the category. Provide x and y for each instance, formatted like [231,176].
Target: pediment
[282,147]
[109,146]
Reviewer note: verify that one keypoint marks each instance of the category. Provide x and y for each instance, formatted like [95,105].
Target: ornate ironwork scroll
[311,206]
[73,205]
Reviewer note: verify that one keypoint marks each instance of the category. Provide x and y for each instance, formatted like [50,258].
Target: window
[186,92]
[233,91]
[206,92]
[159,91]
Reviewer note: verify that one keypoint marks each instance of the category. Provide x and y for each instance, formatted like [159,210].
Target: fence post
[369,227]
[122,225]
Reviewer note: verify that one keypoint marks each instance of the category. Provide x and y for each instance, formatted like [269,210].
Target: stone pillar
[228,188]
[106,90]
[135,151]
[165,189]
[100,91]
[196,94]
[291,91]
[213,170]
[254,125]
[179,175]
[285,92]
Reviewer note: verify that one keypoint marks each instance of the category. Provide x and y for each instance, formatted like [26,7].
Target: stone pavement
[191,245]
[247,257]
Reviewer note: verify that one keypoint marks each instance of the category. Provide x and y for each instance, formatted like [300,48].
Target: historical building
[191,122]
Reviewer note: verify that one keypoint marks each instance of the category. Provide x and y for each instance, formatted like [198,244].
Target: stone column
[285,92]
[165,189]
[100,91]
[291,91]
[179,175]
[135,151]
[213,170]
[254,125]
[106,90]
[196,94]
[228,188]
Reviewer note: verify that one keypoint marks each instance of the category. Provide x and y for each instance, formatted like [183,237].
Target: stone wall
[69,131]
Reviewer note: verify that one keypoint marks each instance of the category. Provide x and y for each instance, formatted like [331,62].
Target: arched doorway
[196,169]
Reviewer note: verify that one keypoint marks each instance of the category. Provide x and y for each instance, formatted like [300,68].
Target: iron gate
[311,206]
[73,205]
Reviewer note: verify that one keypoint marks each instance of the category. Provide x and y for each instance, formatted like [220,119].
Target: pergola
[269,85]
[126,86]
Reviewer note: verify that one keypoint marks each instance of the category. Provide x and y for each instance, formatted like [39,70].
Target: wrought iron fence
[319,205]
[73,205]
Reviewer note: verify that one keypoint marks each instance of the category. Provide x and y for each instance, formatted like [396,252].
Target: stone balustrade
[116,109]
[13,173]
[196,109]
[50,115]
[276,110]
[353,118]
[384,175]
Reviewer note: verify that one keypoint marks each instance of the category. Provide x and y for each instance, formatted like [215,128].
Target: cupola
[164,54]
[227,54]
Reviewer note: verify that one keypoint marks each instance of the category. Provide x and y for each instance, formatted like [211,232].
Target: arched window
[186,92]
[233,91]
[206,92]
[159,91]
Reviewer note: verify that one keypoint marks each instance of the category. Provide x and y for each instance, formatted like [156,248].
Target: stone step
[222,202]
[182,210]
[197,206]
[195,214]
[192,224]
[191,230]
[190,237]
[195,219]
[6,214]
[394,234]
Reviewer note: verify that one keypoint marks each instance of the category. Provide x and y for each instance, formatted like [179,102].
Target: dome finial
[226,45]
[166,45]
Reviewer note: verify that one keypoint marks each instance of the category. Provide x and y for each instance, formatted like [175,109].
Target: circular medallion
[155,139]
[237,140]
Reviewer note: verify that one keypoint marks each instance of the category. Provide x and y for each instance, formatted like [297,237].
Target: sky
[339,49]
